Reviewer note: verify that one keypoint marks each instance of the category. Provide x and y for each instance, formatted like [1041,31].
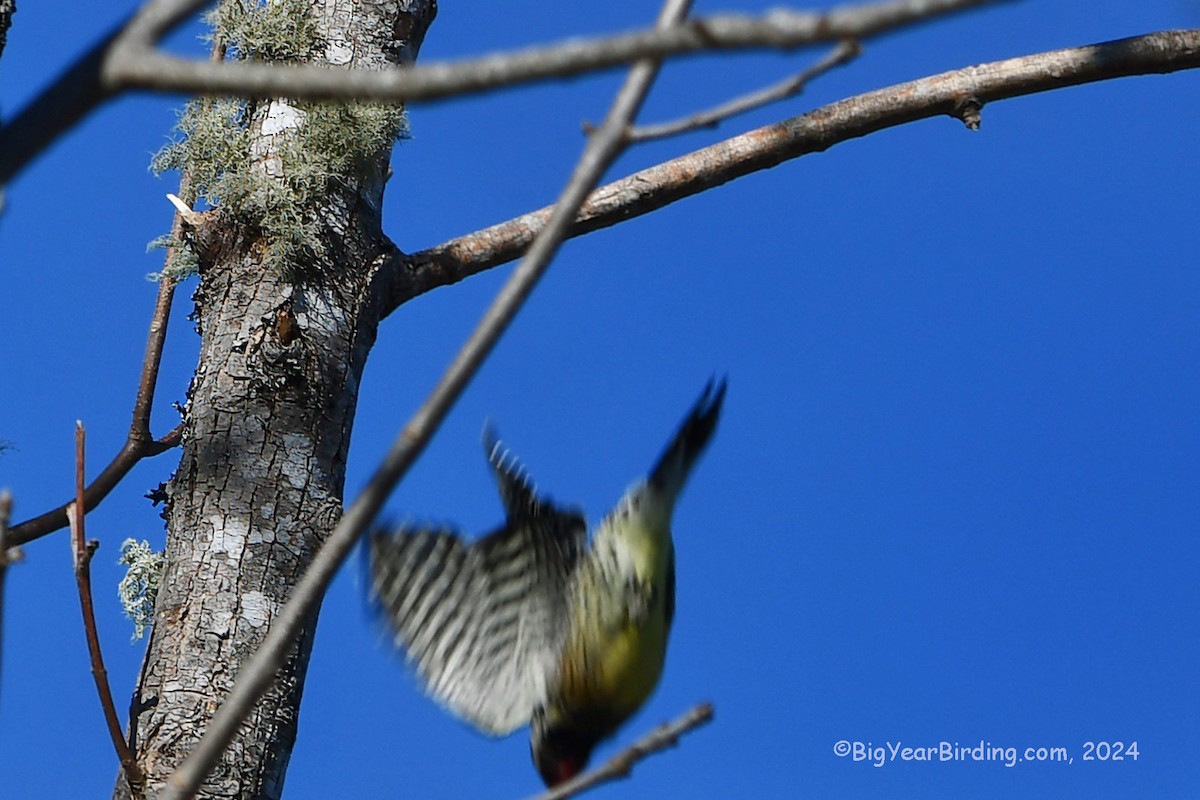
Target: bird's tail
[671,471]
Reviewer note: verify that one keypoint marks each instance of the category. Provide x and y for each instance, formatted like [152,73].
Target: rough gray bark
[264,450]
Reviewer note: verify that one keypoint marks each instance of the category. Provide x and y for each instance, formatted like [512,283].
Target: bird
[529,625]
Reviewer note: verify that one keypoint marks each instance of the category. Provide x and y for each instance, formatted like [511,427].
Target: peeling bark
[267,429]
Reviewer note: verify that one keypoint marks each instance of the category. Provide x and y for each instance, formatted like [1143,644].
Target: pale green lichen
[184,262]
[330,144]
[139,588]
[280,30]
[213,137]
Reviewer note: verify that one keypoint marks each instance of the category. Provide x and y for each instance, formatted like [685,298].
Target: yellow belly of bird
[632,663]
[620,668]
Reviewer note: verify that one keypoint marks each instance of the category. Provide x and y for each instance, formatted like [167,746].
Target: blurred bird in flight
[529,625]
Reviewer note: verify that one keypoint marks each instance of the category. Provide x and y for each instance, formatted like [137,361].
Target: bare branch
[83,551]
[154,20]
[818,130]
[126,59]
[139,443]
[84,85]
[124,461]
[256,675]
[781,28]
[139,428]
[620,765]
[844,53]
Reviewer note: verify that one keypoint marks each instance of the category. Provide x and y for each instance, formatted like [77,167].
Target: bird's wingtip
[690,439]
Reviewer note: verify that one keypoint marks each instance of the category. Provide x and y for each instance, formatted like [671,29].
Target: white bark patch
[296,469]
[281,117]
[221,622]
[229,537]
[257,610]
[320,313]
[339,54]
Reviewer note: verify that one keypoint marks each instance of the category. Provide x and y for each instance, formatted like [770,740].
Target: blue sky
[953,497]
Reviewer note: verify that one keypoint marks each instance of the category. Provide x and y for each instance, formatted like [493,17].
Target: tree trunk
[268,425]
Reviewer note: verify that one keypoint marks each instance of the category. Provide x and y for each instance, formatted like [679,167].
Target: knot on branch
[969,111]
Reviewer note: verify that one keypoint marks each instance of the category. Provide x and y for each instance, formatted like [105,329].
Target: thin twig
[256,675]
[139,427]
[6,557]
[620,765]
[844,53]
[154,19]
[139,443]
[83,551]
[130,454]
[125,460]
[125,60]
[181,220]
[813,132]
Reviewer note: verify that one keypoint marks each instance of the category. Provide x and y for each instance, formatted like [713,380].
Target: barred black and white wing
[482,623]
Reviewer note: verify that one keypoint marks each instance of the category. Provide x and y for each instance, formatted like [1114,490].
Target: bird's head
[560,751]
